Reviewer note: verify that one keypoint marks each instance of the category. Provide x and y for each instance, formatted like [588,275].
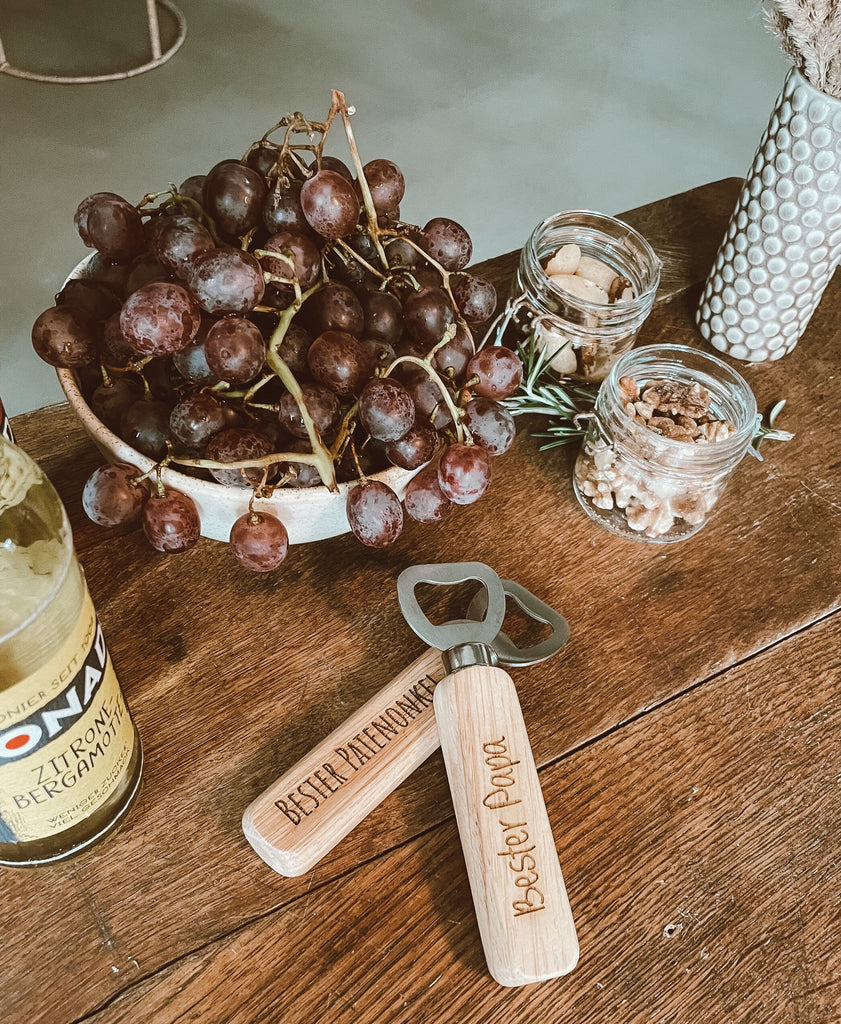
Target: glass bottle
[70,755]
[5,424]
[641,484]
[585,336]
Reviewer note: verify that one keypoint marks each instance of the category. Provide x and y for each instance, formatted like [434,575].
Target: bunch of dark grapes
[274,323]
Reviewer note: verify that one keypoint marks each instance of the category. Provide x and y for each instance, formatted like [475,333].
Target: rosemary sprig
[569,403]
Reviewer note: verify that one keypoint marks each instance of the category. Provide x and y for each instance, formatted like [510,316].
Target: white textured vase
[784,239]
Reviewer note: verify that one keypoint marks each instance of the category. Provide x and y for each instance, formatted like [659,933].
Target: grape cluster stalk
[275,323]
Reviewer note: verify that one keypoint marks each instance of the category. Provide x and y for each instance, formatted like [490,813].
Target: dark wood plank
[700,849]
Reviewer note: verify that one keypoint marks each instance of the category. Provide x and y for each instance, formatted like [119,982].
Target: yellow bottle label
[66,738]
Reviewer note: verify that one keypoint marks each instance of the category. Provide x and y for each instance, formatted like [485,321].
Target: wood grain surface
[686,736]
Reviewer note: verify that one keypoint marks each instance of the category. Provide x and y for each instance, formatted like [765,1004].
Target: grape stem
[174,198]
[284,257]
[261,462]
[342,244]
[321,457]
[340,104]
[345,430]
[426,364]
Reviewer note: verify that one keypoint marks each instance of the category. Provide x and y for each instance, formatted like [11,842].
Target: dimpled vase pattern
[784,238]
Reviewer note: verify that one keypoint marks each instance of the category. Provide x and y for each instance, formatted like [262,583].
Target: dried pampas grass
[810,35]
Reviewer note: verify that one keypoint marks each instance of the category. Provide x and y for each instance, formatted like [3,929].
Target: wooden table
[687,739]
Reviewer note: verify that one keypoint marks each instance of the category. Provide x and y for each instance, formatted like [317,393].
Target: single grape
[332,163]
[427,314]
[389,217]
[334,308]
[178,240]
[282,209]
[277,296]
[146,269]
[191,361]
[415,448]
[293,350]
[226,281]
[266,421]
[159,318]
[452,359]
[464,473]
[196,417]
[427,277]
[239,444]
[161,376]
[65,336]
[93,298]
[114,495]
[499,372]
[304,254]
[259,541]
[426,395]
[234,195]
[337,360]
[383,316]
[490,424]
[424,500]
[263,158]
[475,297]
[303,474]
[110,401]
[322,405]
[145,426]
[115,349]
[447,243]
[235,350]
[330,204]
[374,513]
[110,224]
[378,353]
[409,346]
[193,187]
[400,253]
[386,409]
[171,522]
[386,184]
[104,271]
[88,377]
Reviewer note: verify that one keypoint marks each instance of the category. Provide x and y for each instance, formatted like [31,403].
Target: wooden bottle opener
[307,811]
[522,908]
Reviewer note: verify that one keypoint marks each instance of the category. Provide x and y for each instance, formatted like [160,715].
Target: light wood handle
[314,805]
[524,916]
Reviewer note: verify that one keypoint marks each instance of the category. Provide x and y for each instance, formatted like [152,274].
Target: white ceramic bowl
[309,513]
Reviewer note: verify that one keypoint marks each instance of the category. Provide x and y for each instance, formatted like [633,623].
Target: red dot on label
[16,742]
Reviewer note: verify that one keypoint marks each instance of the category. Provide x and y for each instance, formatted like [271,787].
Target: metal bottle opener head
[478,639]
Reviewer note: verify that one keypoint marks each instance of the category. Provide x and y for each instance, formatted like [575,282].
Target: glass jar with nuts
[585,284]
[670,425]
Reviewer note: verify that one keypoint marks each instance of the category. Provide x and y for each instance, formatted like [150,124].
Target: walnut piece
[674,409]
[652,503]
